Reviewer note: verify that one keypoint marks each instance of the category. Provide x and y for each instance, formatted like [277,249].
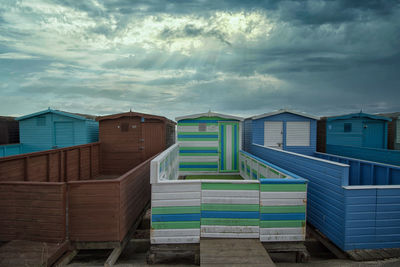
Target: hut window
[347,127]
[202,127]
[124,127]
[298,133]
[41,121]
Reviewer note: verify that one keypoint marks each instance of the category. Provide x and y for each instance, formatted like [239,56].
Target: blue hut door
[64,134]
[228,146]
[373,134]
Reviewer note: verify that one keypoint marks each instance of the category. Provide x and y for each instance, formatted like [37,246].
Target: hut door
[64,134]
[153,138]
[373,134]
[228,146]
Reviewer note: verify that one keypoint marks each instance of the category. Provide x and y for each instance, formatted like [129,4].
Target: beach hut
[9,130]
[357,130]
[130,138]
[209,143]
[50,129]
[285,129]
[393,130]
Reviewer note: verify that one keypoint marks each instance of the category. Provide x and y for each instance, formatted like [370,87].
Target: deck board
[233,252]
[30,253]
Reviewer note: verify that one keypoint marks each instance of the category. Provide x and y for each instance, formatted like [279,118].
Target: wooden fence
[57,165]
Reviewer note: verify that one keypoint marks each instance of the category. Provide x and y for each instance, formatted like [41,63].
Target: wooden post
[80,163]
[91,160]
[59,166]
[66,166]
[48,167]
[26,173]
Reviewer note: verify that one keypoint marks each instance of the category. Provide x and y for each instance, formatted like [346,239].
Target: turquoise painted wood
[50,129]
[358,129]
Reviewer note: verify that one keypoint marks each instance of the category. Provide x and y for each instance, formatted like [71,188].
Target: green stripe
[229,222]
[197,148]
[199,169]
[198,139]
[198,154]
[197,163]
[273,171]
[230,207]
[283,187]
[229,186]
[224,133]
[175,225]
[175,210]
[282,209]
[197,133]
[281,224]
[233,145]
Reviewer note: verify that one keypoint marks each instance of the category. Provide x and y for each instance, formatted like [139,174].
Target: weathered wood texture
[128,139]
[105,210]
[57,165]
[32,211]
[30,253]
[233,252]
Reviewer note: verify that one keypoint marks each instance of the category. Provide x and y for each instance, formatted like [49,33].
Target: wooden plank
[279,195]
[174,232]
[178,203]
[175,240]
[68,257]
[230,200]
[277,238]
[175,195]
[230,193]
[229,229]
[233,252]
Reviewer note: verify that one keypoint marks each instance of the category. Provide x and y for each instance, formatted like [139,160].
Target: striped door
[228,147]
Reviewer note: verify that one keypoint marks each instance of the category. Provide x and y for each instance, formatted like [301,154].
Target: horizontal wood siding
[134,196]
[282,210]
[175,213]
[94,210]
[325,195]
[33,211]
[371,154]
[66,164]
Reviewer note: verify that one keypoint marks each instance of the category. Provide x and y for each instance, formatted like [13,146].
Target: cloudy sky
[181,57]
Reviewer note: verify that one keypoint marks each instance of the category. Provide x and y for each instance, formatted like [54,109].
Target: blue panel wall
[367,172]
[371,154]
[325,201]
[10,150]
[92,128]
[247,134]
[372,218]
[258,132]
[374,134]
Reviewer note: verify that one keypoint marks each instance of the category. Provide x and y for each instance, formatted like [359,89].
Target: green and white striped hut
[209,143]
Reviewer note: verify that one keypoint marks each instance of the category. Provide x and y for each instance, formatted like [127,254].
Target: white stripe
[230,193]
[229,229]
[199,159]
[178,203]
[230,235]
[277,195]
[175,240]
[175,195]
[282,202]
[273,238]
[174,232]
[198,143]
[188,128]
[229,200]
[228,148]
[283,231]
[169,188]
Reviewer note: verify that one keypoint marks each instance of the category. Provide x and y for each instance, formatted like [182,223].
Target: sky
[180,57]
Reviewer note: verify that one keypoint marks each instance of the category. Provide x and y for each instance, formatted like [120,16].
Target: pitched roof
[391,115]
[284,111]
[58,112]
[209,114]
[359,115]
[134,114]
[7,118]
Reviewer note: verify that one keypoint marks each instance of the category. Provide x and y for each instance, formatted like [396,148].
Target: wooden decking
[233,252]
[30,253]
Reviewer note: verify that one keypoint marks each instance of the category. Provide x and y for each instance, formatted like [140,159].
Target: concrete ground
[135,255]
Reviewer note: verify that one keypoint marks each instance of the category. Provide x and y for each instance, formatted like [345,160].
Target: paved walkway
[233,252]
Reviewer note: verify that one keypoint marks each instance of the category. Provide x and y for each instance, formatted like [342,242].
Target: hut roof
[209,114]
[134,114]
[77,116]
[359,115]
[284,111]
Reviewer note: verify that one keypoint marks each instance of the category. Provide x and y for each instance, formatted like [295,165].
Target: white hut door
[273,134]
[228,146]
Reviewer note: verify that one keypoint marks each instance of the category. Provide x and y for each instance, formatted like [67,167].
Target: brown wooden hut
[9,130]
[127,139]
